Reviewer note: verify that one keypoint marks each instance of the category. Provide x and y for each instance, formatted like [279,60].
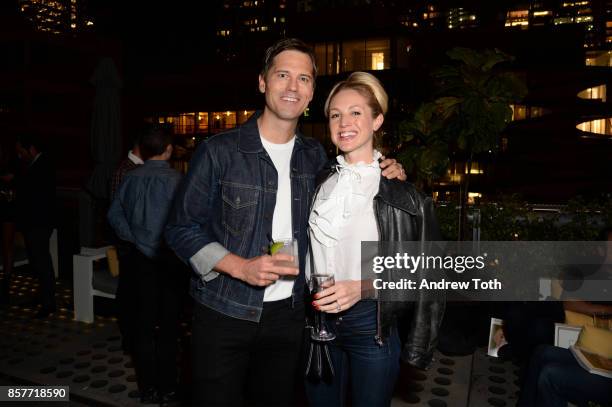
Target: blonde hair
[367,86]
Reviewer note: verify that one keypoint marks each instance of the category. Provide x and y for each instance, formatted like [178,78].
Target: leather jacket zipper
[378,338]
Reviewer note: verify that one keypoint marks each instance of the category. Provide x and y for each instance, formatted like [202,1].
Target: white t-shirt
[282,227]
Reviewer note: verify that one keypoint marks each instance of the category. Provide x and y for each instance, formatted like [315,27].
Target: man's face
[288,85]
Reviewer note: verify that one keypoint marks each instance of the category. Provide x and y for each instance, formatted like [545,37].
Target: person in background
[554,376]
[246,188]
[138,214]
[35,213]
[354,203]
[7,219]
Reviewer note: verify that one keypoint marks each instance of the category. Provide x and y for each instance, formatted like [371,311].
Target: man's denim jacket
[140,208]
[226,203]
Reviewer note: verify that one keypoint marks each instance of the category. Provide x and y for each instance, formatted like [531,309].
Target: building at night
[57,16]
[197,69]
[562,50]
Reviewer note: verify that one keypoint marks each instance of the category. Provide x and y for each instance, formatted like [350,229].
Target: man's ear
[262,84]
[169,150]
[378,121]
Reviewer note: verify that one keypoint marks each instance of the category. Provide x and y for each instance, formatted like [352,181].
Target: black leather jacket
[405,214]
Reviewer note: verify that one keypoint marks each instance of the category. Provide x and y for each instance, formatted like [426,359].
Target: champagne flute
[320,282]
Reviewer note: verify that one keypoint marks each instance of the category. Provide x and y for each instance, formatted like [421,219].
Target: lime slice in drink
[274,247]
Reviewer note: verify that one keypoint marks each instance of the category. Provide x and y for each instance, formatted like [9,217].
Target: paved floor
[88,358]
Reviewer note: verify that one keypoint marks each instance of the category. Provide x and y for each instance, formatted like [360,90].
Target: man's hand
[339,297]
[264,270]
[392,169]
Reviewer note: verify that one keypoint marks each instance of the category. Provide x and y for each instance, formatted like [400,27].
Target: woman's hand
[339,297]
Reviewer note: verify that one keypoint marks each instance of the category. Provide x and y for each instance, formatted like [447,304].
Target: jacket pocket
[239,206]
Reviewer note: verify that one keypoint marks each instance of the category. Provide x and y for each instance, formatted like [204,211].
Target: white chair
[88,282]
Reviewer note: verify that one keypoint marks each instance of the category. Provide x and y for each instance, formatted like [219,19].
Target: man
[245,189]
[126,284]
[138,215]
[35,203]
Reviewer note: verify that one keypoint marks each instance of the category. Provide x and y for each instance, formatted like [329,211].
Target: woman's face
[352,126]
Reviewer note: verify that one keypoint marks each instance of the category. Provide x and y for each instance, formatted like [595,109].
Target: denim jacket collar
[249,138]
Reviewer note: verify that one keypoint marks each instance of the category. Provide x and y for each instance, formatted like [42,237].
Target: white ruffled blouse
[342,217]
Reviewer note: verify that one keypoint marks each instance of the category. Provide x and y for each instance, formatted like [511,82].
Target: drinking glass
[287,246]
[320,282]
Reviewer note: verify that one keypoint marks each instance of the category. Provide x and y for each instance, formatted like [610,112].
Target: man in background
[35,203]
[138,215]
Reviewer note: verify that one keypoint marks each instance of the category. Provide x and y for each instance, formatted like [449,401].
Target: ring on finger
[338,307]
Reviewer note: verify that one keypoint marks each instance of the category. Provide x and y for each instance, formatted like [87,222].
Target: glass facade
[356,55]
[203,122]
[523,112]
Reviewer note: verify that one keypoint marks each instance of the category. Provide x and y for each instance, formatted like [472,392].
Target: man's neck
[274,129]
[158,158]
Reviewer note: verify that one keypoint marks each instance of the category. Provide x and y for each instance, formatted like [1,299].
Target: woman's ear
[378,121]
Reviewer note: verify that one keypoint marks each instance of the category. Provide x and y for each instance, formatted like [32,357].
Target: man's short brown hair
[287,44]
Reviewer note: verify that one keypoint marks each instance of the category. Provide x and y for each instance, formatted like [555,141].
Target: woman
[354,204]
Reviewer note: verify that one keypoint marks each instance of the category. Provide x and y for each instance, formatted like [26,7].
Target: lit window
[596,92]
[202,121]
[473,196]
[476,169]
[224,120]
[598,126]
[244,116]
[378,61]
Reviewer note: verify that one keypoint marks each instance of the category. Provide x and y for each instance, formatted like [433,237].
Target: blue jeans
[371,369]
[555,378]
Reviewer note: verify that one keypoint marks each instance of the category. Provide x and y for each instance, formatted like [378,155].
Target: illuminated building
[240,23]
[57,16]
